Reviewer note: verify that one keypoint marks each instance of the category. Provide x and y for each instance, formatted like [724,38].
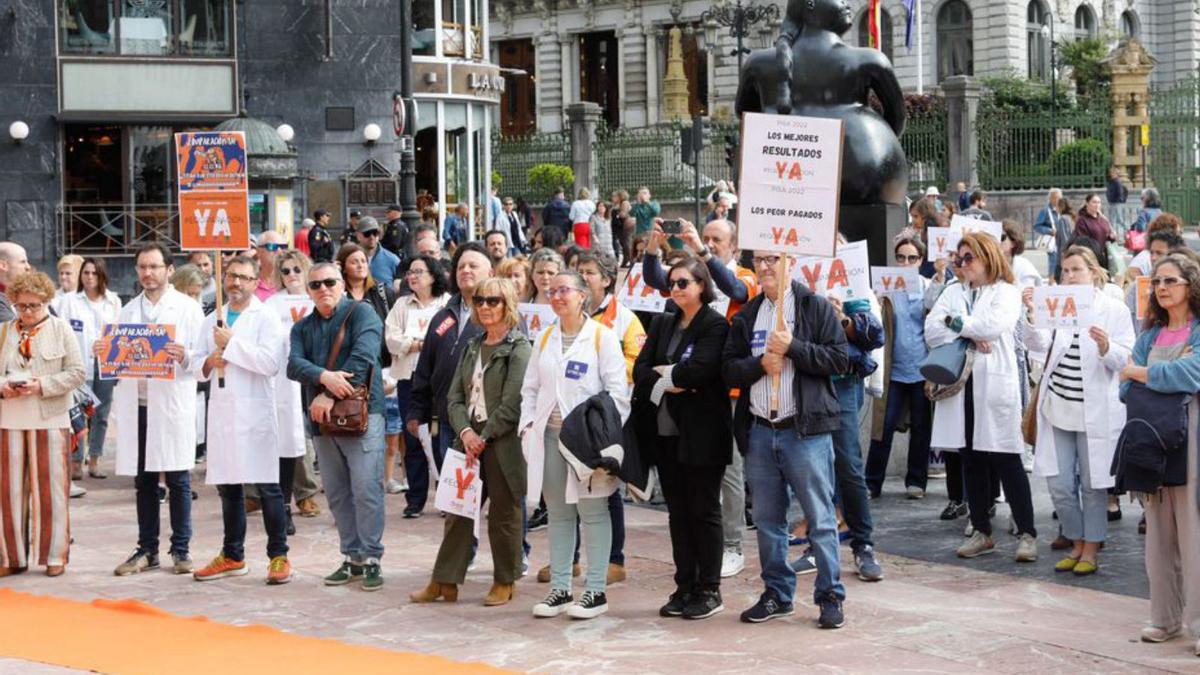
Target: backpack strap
[545,338]
[596,341]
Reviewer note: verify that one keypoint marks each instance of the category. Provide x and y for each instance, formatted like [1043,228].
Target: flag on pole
[873,24]
[911,6]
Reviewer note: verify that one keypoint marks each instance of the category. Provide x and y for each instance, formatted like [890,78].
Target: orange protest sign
[1143,296]
[214,211]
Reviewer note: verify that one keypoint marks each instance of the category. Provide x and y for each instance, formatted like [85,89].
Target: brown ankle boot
[435,591]
[499,595]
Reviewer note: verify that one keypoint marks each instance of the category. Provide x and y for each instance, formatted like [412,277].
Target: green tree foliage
[544,179]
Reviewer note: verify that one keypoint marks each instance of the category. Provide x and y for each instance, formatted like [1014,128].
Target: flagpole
[920,52]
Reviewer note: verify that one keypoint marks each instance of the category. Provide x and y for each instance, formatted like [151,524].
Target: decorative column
[1130,67]
[652,95]
[552,85]
[582,119]
[963,95]
[675,83]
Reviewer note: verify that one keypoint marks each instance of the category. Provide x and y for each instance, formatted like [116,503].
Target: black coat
[445,341]
[702,412]
[381,298]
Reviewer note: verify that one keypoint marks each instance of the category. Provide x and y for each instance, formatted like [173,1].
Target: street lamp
[1048,33]
[739,19]
[408,114]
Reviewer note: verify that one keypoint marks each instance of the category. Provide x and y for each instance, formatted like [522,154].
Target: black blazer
[702,413]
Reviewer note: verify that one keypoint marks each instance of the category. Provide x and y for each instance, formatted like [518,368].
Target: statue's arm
[887,89]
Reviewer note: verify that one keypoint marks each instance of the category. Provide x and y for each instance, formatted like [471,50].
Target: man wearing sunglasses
[382,261]
[270,243]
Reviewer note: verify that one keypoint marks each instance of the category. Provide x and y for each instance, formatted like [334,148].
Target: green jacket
[502,377]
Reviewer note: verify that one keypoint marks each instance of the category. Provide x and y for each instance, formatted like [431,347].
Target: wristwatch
[704,254]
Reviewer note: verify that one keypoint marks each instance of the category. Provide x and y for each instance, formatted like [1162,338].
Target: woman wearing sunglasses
[983,420]
[1166,358]
[683,412]
[484,408]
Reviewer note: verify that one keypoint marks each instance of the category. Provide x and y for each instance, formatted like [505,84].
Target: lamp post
[408,157]
[1048,32]
[739,19]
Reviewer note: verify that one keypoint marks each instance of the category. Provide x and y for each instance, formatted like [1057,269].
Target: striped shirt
[556,418]
[1066,391]
[760,392]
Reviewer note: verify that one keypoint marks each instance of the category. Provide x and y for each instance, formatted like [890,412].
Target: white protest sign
[292,307]
[417,322]
[896,280]
[636,295]
[537,317]
[459,488]
[1066,307]
[846,276]
[791,174]
[720,303]
[966,225]
[943,242]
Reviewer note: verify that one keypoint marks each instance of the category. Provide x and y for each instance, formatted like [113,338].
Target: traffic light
[701,133]
[687,151]
[731,150]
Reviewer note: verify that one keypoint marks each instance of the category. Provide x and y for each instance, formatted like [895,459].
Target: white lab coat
[87,321]
[1104,413]
[289,404]
[170,404]
[546,384]
[243,431]
[995,382]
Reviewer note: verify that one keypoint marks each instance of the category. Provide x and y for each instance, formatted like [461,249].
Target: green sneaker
[344,574]
[373,576]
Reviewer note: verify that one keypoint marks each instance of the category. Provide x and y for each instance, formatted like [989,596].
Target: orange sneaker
[220,567]
[279,571]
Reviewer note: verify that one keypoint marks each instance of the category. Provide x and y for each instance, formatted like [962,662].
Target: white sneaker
[1027,460]
[969,529]
[394,487]
[732,563]
[77,491]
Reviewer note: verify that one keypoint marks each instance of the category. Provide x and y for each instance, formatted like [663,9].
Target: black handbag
[1151,452]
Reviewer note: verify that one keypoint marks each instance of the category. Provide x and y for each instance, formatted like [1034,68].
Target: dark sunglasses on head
[316,284]
[273,247]
[909,259]
[289,270]
[680,283]
[493,301]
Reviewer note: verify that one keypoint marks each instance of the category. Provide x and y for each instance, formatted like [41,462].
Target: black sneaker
[590,605]
[868,568]
[410,512]
[555,603]
[831,612]
[140,561]
[291,526]
[675,604]
[538,520]
[953,510]
[703,605]
[162,495]
[768,607]
[805,564]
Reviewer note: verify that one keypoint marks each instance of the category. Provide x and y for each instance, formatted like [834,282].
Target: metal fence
[632,157]
[924,143]
[115,229]
[1033,150]
[514,156]
[1174,152]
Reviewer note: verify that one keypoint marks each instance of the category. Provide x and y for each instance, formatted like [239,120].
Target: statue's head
[831,15]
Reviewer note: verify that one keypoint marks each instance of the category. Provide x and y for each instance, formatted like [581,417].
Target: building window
[955,44]
[454,28]
[518,104]
[598,77]
[885,32]
[424,33]
[1085,23]
[146,27]
[1129,24]
[455,139]
[1037,40]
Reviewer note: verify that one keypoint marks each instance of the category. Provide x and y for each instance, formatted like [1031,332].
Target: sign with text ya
[459,487]
[966,225]
[1143,296]
[636,295]
[846,276]
[1066,307]
[791,175]
[214,211]
[417,322]
[537,317]
[896,281]
[943,242]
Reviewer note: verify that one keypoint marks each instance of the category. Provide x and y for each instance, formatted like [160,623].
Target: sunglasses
[681,284]
[273,247]
[372,233]
[289,270]
[907,259]
[1167,281]
[493,301]
[316,284]
[964,260]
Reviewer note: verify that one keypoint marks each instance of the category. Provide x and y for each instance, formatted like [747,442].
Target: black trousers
[693,495]
[981,469]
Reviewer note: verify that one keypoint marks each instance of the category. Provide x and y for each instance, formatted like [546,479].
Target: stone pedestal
[582,119]
[963,95]
[877,223]
[1130,65]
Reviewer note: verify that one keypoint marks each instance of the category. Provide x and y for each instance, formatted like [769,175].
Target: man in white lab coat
[156,430]
[247,352]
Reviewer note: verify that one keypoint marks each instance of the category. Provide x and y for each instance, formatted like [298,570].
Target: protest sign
[791,174]
[418,321]
[537,317]
[636,295]
[1065,307]
[136,351]
[214,209]
[295,307]
[459,488]
[896,280]
[966,225]
[720,303]
[1143,296]
[846,276]
[943,242]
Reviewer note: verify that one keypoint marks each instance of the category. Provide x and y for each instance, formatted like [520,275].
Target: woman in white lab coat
[572,361]
[1080,414]
[984,419]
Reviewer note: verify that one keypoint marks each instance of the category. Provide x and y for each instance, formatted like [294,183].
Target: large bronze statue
[811,72]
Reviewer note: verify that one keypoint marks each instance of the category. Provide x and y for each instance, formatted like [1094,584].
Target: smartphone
[17,384]
[672,226]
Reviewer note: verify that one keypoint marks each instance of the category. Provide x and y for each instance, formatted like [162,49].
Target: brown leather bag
[349,415]
[1029,422]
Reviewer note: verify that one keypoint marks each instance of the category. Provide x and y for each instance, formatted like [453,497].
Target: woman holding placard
[484,408]
[982,419]
[1079,412]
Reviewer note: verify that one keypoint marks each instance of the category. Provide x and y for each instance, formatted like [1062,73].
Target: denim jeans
[616,516]
[416,467]
[98,424]
[775,461]
[920,426]
[179,490]
[1082,511]
[593,513]
[848,464]
[233,510]
[352,470]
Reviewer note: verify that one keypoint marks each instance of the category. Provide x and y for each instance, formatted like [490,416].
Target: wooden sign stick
[220,311]
[783,283]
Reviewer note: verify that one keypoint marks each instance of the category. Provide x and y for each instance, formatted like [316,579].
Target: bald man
[270,243]
[13,261]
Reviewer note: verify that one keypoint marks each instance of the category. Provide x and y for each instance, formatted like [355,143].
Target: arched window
[955,44]
[1085,23]
[1129,24]
[1037,40]
[885,32]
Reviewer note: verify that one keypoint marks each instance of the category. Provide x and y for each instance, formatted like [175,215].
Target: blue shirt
[231,316]
[908,348]
[383,266]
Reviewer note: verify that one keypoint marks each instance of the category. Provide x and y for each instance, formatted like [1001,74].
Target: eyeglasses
[316,284]
[766,261]
[240,278]
[289,270]
[680,283]
[964,260]
[25,307]
[272,247]
[907,259]
[493,301]
[414,273]
[1167,281]
[561,292]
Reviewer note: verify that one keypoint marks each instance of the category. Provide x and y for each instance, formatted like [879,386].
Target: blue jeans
[848,464]
[352,470]
[233,511]
[179,489]
[1082,510]
[775,461]
[416,467]
[920,425]
[98,424]
[592,513]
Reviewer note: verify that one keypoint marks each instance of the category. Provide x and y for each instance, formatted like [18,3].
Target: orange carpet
[130,637]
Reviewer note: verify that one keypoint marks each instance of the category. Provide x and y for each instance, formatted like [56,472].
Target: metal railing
[514,156]
[1034,150]
[115,229]
[924,143]
[1174,152]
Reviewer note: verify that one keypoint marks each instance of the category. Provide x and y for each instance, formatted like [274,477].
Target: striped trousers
[35,485]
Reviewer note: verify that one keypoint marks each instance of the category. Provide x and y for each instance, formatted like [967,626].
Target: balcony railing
[115,229]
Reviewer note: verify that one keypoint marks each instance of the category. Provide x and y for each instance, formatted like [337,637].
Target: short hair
[505,289]
[910,241]
[729,225]
[580,284]
[291,254]
[1166,221]
[1099,274]
[499,232]
[101,273]
[463,249]
[193,254]
[33,283]
[347,250]
[186,276]
[71,260]
[584,193]
[163,249]
[545,255]
[985,247]
[508,265]
[424,228]
[978,196]
[1172,240]
[1015,233]
[1152,199]
[552,237]
[436,270]
[325,266]
[244,260]
[699,272]
[605,262]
